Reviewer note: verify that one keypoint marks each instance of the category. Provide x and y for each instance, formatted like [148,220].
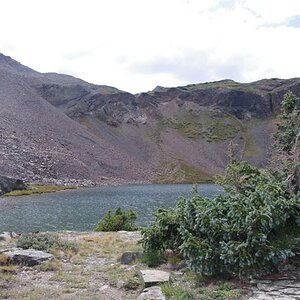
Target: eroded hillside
[57,128]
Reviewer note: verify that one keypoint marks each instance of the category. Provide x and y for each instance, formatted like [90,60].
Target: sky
[136,45]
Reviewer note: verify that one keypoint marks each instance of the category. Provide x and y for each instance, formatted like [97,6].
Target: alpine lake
[81,209]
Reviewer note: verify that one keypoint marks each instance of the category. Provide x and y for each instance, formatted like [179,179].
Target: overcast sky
[135,45]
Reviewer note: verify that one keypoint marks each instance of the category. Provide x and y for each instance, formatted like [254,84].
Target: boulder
[128,257]
[153,293]
[29,257]
[8,184]
[5,237]
[154,277]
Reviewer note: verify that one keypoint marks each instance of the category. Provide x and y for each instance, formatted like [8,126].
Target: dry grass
[4,260]
[39,189]
[110,245]
[53,265]
[83,275]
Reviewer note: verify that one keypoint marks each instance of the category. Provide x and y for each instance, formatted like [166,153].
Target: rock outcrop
[129,257]
[154,277]
[276,290]
[29,257]
[152,293]
[8,184]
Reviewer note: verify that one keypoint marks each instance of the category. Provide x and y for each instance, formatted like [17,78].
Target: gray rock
[13,235]
[104,287]
[276,290]
[129,257]
[8,184]
[5,236]
[120,284]
[153,293]
[29,257]
[153,277]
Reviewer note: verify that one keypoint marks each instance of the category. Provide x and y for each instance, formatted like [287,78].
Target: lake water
[82,209]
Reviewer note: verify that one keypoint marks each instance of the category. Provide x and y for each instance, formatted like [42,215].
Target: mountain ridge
[56,128]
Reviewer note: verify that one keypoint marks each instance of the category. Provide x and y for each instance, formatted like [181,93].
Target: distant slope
[57,128]
[38,142]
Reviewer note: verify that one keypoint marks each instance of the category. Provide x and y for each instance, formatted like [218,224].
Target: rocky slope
[57,128]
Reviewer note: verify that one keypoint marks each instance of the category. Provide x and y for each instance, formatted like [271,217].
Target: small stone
[152,293]
[266,287]
[153,277]
[129,257]
[120,284]
[13,235]
[104,287]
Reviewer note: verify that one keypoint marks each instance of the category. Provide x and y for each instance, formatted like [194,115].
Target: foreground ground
[95,272]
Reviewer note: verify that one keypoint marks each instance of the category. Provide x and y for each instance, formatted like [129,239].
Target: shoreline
[54,188]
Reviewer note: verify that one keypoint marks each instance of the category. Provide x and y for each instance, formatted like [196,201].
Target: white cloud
[138,44]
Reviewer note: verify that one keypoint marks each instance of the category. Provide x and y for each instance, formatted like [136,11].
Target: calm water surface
[82,209]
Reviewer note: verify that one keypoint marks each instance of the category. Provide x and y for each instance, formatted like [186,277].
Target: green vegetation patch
[203,125]
[221,129]
[39,189]
[45,242]
[179,171]
[251,148]
[222,291]
[176,292]
[119,220]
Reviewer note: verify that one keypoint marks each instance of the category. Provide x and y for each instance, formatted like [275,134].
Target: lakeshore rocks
[7,236]
[154,277]
[29,257]
[152,293]
[276,290]
[128,257]
[8,184]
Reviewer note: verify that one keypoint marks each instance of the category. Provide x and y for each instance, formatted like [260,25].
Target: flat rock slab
[153,277]
[276,290]
[29,257]
[152,293]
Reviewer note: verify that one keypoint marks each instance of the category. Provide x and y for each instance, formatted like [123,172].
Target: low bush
[163,233]
[119,220]
[250,229]
[45,242]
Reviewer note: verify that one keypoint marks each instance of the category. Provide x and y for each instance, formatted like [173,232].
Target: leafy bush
[163,233]
[120,220]
[45,242]
[249,229]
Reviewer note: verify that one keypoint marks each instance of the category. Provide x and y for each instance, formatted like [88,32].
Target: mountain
[60,129]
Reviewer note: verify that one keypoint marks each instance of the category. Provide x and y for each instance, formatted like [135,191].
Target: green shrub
[45,242]
[163,233]
[249,229]
[120,220]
